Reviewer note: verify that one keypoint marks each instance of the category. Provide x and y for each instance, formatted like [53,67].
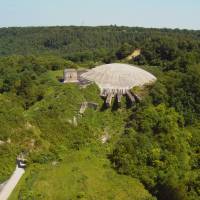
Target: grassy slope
[82,175]
[85,174]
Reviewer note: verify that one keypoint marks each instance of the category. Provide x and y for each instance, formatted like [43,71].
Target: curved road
[9,186]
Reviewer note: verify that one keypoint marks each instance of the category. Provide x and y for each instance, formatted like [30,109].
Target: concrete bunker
[116,80]
[70,76]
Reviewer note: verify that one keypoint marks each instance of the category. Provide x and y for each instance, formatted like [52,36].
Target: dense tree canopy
[168,48]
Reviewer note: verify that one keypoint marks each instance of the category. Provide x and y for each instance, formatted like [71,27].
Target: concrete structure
[109,99]
[70,76]
[115,78]
[118,79]
[119,96]
[130,96]
[74,76]
[86,105]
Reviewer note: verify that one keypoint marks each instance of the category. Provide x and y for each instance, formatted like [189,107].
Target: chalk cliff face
[118,76]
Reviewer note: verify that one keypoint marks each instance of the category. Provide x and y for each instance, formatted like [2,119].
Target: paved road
[2,185]
[9,186]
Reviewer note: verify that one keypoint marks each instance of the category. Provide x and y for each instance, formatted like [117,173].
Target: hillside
[153,147]
[46,132]
[81,175]
[81,44]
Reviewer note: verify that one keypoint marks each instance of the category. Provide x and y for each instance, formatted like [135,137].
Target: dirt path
[9,186]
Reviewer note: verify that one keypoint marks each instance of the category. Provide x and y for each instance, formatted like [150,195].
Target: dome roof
[118,76]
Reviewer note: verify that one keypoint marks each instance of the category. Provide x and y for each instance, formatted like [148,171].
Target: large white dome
[115,77]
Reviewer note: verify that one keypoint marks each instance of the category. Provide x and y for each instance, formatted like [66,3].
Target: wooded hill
[155,141]
[170,48]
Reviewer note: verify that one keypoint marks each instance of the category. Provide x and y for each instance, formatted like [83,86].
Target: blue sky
[146,13]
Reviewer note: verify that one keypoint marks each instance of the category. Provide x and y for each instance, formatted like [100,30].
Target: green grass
[47,121]
[82,175]
[55,74]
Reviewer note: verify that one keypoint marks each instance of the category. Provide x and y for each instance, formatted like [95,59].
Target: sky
[143,13]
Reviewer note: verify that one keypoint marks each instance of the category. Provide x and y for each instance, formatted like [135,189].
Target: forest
[154,145]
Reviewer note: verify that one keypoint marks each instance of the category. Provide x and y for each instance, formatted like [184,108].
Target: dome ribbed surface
[118,76]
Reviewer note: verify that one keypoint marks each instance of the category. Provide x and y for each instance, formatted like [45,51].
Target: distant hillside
[67,40]
[106,44]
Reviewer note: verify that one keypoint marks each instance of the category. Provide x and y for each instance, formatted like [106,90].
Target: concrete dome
[118,77]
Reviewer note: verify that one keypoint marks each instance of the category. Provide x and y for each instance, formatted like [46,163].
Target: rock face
[115,78]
